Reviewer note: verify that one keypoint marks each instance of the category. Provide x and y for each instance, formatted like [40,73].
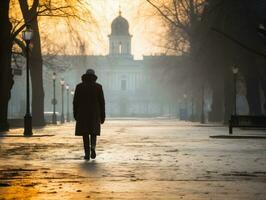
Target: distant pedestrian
[89,111]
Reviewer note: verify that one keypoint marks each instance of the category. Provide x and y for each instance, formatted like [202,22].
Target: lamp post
[27,36]
[72,92]
[192,109]
[62,82]
[67,89]
[54,101]
[235,72]
[202,118]
[186,111]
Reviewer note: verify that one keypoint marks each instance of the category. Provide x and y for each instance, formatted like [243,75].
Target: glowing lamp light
[54,76]
[235,70]
[27,34]
[62,82]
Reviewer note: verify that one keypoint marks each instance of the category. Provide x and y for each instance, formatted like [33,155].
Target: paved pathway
[137,159]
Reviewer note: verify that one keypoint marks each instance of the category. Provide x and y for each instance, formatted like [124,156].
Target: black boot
[93,153]
[87,157]
[87,154]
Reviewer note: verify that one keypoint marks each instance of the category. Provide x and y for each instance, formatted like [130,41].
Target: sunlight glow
[145,29]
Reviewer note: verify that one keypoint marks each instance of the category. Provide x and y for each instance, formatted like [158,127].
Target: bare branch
[252,50]
[161,12]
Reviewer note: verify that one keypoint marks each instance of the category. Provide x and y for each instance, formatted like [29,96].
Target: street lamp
[67,89]
[62,82]
[54,101]
[202,118]
[192,109]
[235,72]
[27,35]
[186,106]
[72,92]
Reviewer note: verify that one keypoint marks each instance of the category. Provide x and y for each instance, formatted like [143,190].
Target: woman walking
[89,111]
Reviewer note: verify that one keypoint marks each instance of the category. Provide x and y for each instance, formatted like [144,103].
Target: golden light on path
[19,189]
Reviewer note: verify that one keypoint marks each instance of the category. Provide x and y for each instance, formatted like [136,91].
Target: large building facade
[133,88]
[130,86]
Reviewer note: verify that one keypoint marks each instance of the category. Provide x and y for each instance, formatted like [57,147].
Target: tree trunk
[229,100]
[253,95]
[198,75]
[253,84]
[264,92]
[263,86]
[30,17]
[37,78]
[6,77]
[217,107]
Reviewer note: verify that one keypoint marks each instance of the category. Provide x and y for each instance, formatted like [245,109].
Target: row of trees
[215,35]
[14,16]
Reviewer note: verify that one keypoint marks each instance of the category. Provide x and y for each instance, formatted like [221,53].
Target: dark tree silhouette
[31,10]
[220,34]
[30,17]
[231,38]
[6,79]
[183,19]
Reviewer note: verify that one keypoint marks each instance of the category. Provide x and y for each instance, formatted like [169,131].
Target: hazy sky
[145,29]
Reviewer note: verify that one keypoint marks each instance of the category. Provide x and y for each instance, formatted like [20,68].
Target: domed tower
[120,39]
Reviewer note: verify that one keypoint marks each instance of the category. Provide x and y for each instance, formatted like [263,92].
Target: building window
[113,47]
[123,85]
[120,48]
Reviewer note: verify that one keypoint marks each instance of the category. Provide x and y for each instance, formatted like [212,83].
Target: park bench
[246,121]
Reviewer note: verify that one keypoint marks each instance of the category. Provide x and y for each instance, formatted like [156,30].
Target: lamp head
[27,34]
[67,87]
[54,76]
[62,81]
[235,70]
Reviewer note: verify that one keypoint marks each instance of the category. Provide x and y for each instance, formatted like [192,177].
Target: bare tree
[31,13]
[6,79]
[182,19]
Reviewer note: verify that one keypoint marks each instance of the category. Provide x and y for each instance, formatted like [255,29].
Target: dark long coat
[88,106]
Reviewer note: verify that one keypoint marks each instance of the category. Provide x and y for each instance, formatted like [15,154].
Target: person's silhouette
[89,111]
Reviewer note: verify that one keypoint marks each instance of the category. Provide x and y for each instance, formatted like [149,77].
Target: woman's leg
[93,141]
[93,146]
[86,143]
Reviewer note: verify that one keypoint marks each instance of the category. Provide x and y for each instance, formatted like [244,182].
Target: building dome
[120,26]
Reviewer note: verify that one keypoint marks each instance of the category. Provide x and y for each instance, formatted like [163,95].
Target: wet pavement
[136,159]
